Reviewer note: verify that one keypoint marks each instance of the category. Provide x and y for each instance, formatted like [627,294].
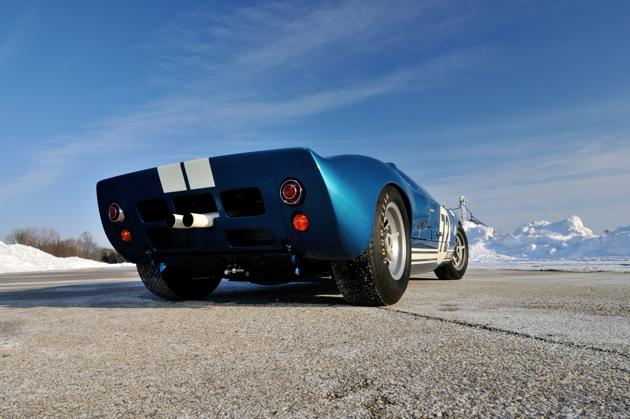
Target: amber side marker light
[125,235]
[300,221]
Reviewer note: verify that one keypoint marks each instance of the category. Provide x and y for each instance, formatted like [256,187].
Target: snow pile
[558,244]
[542,239]
[20,258]
[478,238]
[613,244]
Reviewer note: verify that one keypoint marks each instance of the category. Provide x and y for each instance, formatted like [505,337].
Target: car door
[441,228]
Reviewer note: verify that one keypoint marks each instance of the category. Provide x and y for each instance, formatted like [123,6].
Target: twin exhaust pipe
[191,220]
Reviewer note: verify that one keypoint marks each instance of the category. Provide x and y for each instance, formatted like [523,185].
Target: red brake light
[116,214]
[125,235]
[300,221]
[291,192]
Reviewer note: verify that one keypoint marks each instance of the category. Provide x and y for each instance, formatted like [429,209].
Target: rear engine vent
[152,210]
[199,203]
[169,238]
[249,237]
[243,202]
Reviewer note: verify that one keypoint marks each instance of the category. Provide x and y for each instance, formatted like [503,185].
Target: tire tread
[355,280]
[358,279]
[182,288]
[154,281]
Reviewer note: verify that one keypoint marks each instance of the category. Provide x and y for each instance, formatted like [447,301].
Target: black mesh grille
[168,238]
[152,210]
[243,202]
[198,203]
[249,237]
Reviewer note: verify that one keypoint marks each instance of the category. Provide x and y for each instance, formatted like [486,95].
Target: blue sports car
[280,216]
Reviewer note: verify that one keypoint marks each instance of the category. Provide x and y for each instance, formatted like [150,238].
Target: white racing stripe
[172,178]
[199,174]
[424,262]
[424,257]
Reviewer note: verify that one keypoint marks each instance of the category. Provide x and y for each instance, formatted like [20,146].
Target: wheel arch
[405,199]
[354,184]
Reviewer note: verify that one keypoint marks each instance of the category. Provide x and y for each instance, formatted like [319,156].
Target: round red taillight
[291,192]
[116,214]
[300,221]
[125,235]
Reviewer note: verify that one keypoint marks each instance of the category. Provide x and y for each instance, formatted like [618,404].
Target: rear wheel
[456,268]
[177,283]
[381,274]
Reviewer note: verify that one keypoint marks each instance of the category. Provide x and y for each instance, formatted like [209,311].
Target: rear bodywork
[253,230]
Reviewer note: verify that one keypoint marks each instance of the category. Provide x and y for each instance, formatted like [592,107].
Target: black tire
[176,283]
[367,280]
[456,268]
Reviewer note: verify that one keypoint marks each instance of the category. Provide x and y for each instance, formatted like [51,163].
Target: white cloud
[592,180]
[331,25]
[273,34]
[296,46]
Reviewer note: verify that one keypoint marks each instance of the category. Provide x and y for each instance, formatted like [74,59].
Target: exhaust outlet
[175,221]
[193,220]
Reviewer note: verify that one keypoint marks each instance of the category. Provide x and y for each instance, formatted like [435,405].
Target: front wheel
[176,283]
[381,274]
[456,268]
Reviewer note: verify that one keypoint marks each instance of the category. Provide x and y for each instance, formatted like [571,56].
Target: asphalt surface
[498,343]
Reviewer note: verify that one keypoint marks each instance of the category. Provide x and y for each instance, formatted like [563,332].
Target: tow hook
[234,270]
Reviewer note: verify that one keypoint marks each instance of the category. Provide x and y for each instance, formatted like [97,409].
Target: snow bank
[20,258]
[563,245]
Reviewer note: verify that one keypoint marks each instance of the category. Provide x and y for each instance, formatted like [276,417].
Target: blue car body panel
[340,200]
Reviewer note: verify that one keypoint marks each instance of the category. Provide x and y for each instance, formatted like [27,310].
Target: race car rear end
[244,216]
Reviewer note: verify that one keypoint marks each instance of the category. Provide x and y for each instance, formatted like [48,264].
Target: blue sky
[522,106]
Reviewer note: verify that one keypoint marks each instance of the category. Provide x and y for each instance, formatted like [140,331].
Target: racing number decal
[445,233]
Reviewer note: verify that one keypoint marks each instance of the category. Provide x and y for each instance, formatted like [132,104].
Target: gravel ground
[89,344]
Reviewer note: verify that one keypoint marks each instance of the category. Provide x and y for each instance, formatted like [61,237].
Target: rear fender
[354,184]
